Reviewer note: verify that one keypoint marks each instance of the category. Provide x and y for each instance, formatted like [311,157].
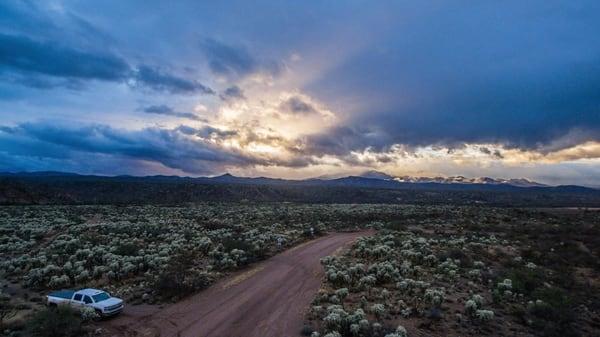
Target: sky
[297,89]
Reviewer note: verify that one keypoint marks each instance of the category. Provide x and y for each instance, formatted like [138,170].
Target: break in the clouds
[297,89]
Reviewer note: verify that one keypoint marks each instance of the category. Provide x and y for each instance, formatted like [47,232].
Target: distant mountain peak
[373,174]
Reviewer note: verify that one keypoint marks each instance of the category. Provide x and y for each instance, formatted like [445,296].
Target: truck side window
[77,297]
[87,300]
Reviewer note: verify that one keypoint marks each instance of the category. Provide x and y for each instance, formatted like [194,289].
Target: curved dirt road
[267,300]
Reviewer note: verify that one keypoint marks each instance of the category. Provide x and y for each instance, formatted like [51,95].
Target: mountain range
[368,187]
[368,178]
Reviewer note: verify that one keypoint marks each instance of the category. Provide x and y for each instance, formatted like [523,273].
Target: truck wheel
[99,312]
[52,305]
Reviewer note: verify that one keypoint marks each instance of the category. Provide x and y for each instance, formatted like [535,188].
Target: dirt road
[266,300]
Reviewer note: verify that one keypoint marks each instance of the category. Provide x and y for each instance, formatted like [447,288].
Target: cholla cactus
[430,260]
[336,318]
[449,267]
[435,296]
[471,307]
[342,293]
[531,265]
[366,282]
[506,284]
[357,316]
[378,310]
[239,256]
[316,310]
[384,271]
[333,321]
[406,268]
[474,274]
[89,314]
[333,334]
[484,315]
[59,281]
[400,332]
[478,299]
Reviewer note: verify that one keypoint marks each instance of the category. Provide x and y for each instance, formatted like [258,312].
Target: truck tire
[52,305]
[99,312]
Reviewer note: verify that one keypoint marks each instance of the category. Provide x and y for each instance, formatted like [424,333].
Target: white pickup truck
[99,300]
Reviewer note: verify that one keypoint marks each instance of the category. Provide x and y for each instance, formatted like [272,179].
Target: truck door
[77,301]
[87,300]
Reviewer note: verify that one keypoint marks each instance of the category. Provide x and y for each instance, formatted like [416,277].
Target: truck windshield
[100,297]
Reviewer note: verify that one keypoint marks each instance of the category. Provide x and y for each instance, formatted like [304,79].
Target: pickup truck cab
[100,301]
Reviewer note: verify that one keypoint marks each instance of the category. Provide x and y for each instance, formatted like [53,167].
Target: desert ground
[257,269]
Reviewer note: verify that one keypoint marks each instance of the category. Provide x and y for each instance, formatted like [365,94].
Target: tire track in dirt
[268,300]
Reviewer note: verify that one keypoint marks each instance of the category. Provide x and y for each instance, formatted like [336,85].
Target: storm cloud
[28,56]
[300,84]
[34,61]
[169,147]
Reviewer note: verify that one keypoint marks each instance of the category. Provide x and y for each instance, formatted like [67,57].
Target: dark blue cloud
[168,111]
[522,74]
[229,60]
[169,147]
[232,93]
[209,131]
[340,141]
[25,55]
[159,80]
[225,59]
[45,64]
[297,105]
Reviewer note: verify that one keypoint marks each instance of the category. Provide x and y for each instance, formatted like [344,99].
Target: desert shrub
[7,309]
[316,232]
[180,278]
[525,280]
[552,311]
[456,254]
[169,285]
[306,330]
[127,249]
[230,244]
[62,321]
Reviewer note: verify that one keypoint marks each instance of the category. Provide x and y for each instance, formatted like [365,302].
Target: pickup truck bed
[66,294]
